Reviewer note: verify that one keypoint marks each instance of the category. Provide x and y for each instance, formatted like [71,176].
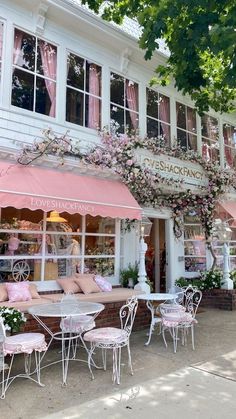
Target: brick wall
[108,317]
[218,298]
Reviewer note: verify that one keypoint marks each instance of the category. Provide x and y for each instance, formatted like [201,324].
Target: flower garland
[118,153]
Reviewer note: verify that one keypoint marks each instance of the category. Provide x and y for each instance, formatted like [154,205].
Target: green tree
[201,38]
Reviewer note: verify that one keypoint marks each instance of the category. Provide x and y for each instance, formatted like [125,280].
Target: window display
[34,246]
[194,244]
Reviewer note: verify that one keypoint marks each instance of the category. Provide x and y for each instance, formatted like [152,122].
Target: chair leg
[116,365]
[175,337]
[90,354]
[192,333]
[6,382]
[104,358]
[164,337]
[130,361]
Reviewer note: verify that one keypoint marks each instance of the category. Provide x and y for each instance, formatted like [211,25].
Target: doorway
[156,255]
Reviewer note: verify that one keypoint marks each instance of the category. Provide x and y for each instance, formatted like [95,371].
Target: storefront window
[186,127]
[194,244]
[124,104]
[32,248]
[210,138]
[229,132]
[1,47]
[158,116]
[34,74]
[83,93]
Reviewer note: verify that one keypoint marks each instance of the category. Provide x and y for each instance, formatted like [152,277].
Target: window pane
[100,225]
[164,130]
[131,95]
[102,266]
[131,121]
[210,127]
[164,108]
[74,106]
[20,219]
[191,120]
[117,89]
[195,264]
[192,142]
[92,112]
[47,59]
[101,245]
[182,139]
[22,89]
[117,118]
[75,67]
[210,150]
[181,116]
[93,79]
[24,50]
[152,128]
[152,103]
[43,102]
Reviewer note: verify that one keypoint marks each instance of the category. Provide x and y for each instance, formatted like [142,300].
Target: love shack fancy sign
[191,174]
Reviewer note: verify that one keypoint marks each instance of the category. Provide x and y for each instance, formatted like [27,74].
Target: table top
[65,309]
[155,296]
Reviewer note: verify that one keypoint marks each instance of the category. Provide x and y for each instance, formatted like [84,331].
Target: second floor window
[229,132]
[210,138]
[158,115]
[1,47]
[186,127]
[124,104]
[34,74]
[83,93]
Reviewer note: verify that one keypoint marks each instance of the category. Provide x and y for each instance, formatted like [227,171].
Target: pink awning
[39,188]
[230,208]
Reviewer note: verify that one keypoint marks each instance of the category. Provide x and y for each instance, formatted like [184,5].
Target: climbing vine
[119,154]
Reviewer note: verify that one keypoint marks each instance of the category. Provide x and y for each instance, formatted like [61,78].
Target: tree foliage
[201,38]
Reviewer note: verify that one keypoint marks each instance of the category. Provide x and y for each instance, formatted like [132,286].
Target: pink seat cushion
[77,324]
[103,284]
[175,319]
[18,291]
[106,335]
[24,343]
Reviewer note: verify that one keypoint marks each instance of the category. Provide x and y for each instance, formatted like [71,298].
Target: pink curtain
[206,152]
[228,151]
[191,121]
[132,102]
[164,115]
[17,46]
[49,62]
[94,102]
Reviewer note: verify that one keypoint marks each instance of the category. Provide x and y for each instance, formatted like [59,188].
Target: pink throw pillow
[18,292]
[87,283]
[103,284]
[3,293]
[69,285]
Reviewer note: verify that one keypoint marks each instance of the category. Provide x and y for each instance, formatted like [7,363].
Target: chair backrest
[191,299]
[127,314]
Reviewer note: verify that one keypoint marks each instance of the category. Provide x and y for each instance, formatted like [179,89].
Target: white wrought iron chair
[22,343]
[76,325]
[114,338]
[181,317]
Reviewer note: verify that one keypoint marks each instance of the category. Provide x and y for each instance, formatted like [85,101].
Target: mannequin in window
[13,244]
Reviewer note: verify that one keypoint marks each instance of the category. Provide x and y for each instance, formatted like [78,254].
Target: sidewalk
[200,383]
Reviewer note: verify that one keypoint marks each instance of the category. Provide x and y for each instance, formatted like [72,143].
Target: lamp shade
[145,226]
[55,217]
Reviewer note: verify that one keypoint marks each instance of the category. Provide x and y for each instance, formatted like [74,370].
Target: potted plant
[13,319]
[129,276]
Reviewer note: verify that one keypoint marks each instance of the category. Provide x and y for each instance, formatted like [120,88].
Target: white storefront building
[65,68]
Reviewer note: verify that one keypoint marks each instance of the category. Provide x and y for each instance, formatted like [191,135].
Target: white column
[227,282]
[142,274]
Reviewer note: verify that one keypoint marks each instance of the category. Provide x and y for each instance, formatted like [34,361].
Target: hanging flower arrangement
[117,152]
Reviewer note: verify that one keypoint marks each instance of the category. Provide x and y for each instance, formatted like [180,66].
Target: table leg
[151,329]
